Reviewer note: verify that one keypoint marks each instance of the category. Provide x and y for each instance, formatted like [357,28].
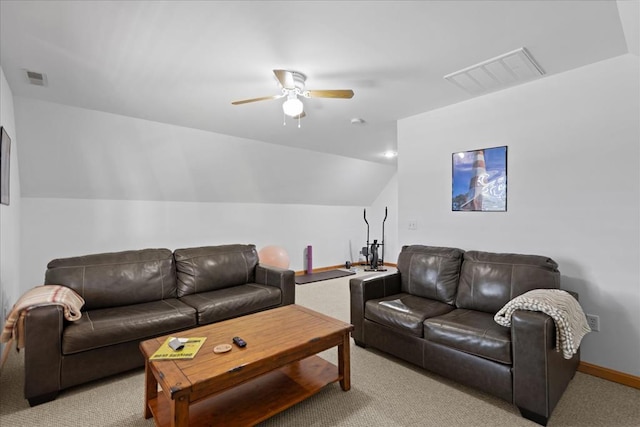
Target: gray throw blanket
[564,309]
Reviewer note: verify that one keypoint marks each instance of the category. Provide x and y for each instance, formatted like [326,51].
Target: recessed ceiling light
[357,121]
[390,154]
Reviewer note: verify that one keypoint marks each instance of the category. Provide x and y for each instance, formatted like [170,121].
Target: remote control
[239,342]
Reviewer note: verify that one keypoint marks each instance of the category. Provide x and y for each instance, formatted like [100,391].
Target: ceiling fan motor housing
[298,83]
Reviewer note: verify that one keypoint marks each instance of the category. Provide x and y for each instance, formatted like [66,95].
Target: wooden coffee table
[277,369]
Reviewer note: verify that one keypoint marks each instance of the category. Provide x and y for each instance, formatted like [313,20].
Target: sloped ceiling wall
[630,19]
[69,152]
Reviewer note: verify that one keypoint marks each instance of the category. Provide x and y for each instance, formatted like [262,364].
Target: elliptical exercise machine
[370,252]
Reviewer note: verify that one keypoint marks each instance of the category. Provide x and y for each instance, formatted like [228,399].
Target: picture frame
[479,180]
[5,163]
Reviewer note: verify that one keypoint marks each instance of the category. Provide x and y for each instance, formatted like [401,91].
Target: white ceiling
[184,62]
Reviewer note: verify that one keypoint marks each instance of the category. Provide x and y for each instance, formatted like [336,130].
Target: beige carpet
[385,392]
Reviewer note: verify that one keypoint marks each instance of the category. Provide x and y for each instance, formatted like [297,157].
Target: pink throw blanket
[13,329]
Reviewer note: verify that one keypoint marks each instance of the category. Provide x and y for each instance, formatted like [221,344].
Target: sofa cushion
[118,278]
[471,331]
[214,267]
[109,326]
[430,272]
[226,303]
[404,311]
[488,280]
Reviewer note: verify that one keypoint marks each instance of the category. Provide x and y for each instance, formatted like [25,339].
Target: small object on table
[239,342]
[222,348]
[176,344]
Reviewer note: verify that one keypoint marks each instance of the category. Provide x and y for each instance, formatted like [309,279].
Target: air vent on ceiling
[511,68]
[35,78]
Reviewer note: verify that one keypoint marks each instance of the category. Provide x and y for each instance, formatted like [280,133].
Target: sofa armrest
[43,353]
[540,373]
[280,278]
[363,289]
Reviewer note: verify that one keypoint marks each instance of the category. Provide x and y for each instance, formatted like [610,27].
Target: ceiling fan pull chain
[284,119]
[299,118]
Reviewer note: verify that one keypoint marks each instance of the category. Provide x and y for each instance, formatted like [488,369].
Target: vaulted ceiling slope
[88,154]
[182,63]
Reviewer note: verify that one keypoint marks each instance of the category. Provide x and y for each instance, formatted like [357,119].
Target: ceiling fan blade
[264,98]
[341,93]
[285,78]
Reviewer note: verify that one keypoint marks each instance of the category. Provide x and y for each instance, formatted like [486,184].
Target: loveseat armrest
[43,353]
[363,289]
[280,278]
[540,373]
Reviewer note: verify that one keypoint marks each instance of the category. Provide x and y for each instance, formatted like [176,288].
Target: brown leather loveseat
[136,295]
[438,310]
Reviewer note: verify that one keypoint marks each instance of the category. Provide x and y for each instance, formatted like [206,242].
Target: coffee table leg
[151,389]
[344,363]
[180,412]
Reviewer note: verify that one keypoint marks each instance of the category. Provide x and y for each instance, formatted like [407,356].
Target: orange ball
[274,256]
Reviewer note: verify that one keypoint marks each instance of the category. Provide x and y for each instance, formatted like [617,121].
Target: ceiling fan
[292,83]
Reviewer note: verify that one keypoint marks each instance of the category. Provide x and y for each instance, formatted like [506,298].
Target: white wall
[56,228]
[573,188]
[9,215]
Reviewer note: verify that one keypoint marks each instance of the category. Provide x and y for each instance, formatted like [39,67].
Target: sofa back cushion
[214,267]
[118,278]
[430,272]
[489,280]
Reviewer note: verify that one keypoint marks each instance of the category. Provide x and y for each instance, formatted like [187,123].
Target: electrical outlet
[413,224]
[594,322]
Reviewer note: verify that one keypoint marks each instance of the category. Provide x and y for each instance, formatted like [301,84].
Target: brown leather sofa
[437,312]
[136,295]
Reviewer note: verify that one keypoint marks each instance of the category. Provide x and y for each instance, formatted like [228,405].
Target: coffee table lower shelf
[256,400]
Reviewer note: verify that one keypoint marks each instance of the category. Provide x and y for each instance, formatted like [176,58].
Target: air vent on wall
[511,68]
[35,78]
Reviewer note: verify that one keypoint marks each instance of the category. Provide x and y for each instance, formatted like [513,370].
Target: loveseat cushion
[472,332]
[118,278]
[404,311]
[430,272]
[226,303]
[489,280]
[214,267]
[109,326]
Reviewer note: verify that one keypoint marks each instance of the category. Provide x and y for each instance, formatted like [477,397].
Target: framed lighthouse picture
[479,180]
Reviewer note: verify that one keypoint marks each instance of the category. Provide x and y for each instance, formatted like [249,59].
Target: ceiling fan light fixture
[292,87]
[292,107]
